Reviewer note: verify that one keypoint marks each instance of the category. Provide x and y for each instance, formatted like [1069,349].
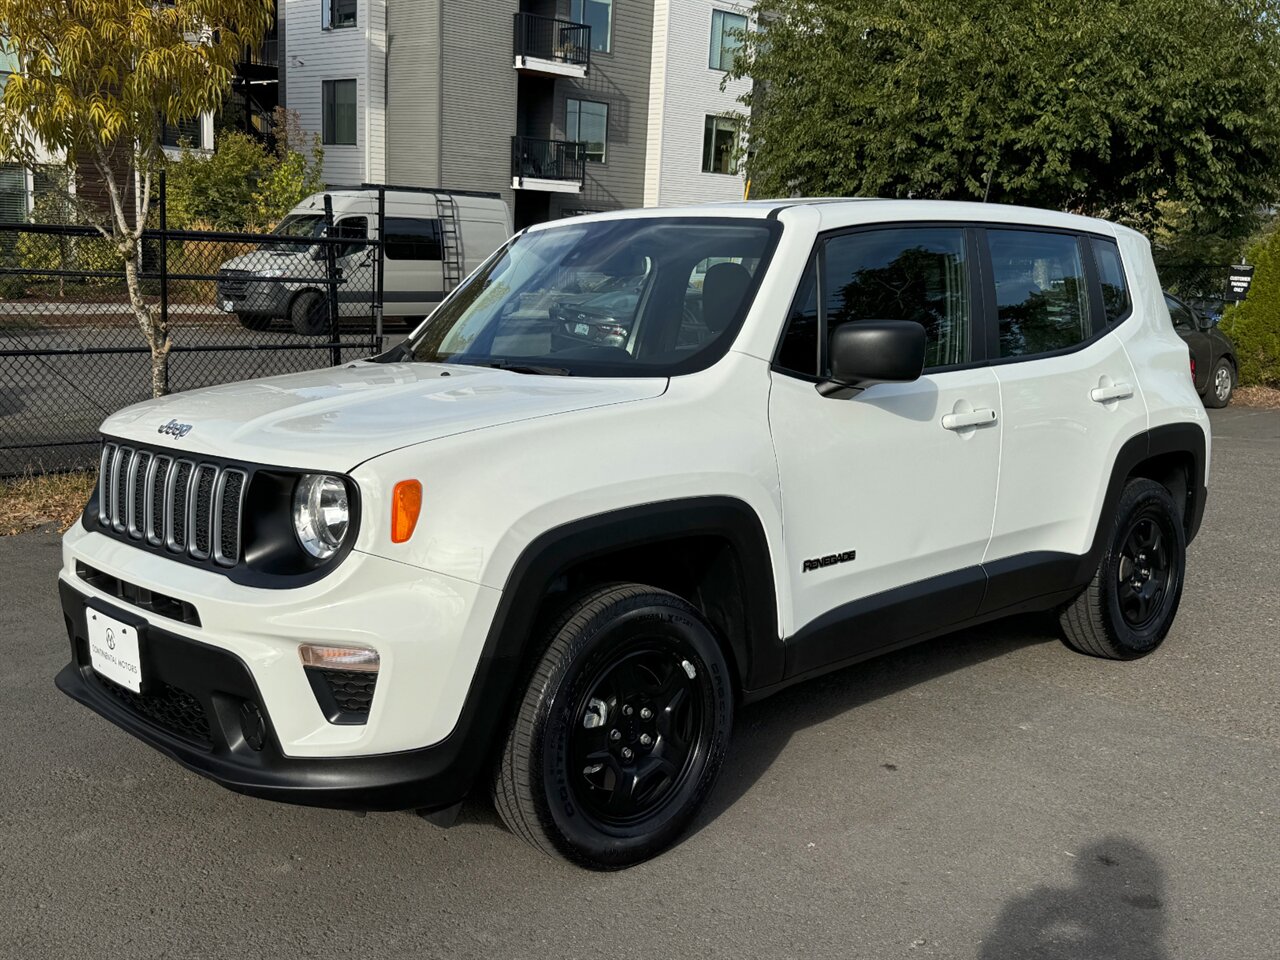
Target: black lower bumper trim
[431,778]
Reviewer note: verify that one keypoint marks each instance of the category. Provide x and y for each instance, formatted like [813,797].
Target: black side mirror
[867,352]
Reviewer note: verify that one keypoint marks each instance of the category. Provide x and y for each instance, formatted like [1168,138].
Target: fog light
[252,725]
[355,659]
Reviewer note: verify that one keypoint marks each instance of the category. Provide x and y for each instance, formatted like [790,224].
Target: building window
[13,193]
[588,122]
[726,40]
[598,15]
[720,145]
[8,62]
[339,104]
[184,133]
[338,13]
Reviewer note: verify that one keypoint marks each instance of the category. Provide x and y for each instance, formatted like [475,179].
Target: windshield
[635,297]
[300,225]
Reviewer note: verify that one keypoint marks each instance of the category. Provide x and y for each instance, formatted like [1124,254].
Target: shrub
[245,185]
[1254,325]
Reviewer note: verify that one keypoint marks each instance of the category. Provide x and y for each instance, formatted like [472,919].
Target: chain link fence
[236,305]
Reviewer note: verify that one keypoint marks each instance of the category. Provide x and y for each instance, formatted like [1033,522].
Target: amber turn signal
[406,501]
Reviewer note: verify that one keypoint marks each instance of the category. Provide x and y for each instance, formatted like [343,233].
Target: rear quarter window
[1116,301]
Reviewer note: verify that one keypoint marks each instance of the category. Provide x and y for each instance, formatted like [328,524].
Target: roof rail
[489,195]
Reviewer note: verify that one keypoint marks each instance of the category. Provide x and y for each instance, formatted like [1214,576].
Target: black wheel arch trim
[509,647]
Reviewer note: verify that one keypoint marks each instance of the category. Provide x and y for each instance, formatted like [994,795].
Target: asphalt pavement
[986,795]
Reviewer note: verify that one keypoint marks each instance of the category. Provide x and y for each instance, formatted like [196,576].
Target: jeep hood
[337,418]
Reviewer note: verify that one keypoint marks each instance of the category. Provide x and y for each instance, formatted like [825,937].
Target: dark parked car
[1213,355]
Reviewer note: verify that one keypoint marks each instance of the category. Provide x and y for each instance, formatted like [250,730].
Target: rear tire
[1222,384]
[1127,609]
[621,732]
[309,315]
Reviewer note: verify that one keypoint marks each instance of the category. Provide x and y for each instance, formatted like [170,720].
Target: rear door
[1069,396]
[887,496]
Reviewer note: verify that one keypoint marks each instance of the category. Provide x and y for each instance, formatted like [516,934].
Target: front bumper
[201,695]
[427,733]
[252,297]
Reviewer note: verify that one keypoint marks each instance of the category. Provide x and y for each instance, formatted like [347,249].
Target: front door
[888,496]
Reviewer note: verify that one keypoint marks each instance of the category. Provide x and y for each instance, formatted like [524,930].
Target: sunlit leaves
[1107,107]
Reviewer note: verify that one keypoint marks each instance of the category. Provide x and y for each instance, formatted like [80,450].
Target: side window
[910,273]
[1115,292]
[798,351]
[352,228]
[408,238]
[1042,297]
[1183,319]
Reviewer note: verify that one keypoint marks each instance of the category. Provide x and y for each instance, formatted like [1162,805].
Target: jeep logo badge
[175,429]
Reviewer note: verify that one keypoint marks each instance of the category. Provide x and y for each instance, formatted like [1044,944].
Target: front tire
[621,732]
[1127,609]
[309,315]
[1222,384]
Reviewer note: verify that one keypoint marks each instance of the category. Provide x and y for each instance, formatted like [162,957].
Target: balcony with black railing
[555,166]
[550,47]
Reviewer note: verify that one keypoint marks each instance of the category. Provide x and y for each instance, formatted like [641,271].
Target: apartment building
[560,106]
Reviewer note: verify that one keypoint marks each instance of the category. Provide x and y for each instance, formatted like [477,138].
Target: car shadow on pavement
[763,730]
[1113,911]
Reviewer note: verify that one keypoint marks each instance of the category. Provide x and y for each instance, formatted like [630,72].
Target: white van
[433,238]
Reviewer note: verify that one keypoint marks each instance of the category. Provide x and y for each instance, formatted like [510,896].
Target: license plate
[113,650]
[228,306]
[581,329]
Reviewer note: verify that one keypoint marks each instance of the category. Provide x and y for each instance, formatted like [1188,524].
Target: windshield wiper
[539,369]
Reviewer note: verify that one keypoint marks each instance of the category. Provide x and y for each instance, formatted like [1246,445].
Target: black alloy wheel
[641,724]
[621,732]
[1128,607]
[1144,569]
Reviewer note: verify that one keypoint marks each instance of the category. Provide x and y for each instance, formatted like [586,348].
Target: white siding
[314,55]
[657,103]
[690,91]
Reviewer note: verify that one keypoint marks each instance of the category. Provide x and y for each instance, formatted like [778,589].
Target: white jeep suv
[640,469]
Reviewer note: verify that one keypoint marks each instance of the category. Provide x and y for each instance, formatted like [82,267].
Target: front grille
[169,708]
[189,507]
[233,284]
[160,603]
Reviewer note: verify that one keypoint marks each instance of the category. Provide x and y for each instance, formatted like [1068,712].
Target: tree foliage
[1109,107]
[245,185]
[98,80]
[1254,325]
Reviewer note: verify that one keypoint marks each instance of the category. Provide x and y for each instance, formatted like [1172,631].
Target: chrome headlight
[321,514]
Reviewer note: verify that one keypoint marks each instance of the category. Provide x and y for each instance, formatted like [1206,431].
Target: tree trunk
[154,325]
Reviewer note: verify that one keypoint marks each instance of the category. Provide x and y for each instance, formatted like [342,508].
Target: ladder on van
[450,241]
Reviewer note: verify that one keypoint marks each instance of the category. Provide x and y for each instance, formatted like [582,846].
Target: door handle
[1118,391]
[974,418]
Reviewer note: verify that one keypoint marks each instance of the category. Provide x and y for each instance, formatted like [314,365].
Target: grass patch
[35,499]
[1268,398]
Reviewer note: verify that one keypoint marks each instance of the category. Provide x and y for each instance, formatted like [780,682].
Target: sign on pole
[1238,281]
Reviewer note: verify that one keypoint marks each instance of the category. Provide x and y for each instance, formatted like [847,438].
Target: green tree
[98,81]
[244,185]
[1254,325]
[1109,107]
